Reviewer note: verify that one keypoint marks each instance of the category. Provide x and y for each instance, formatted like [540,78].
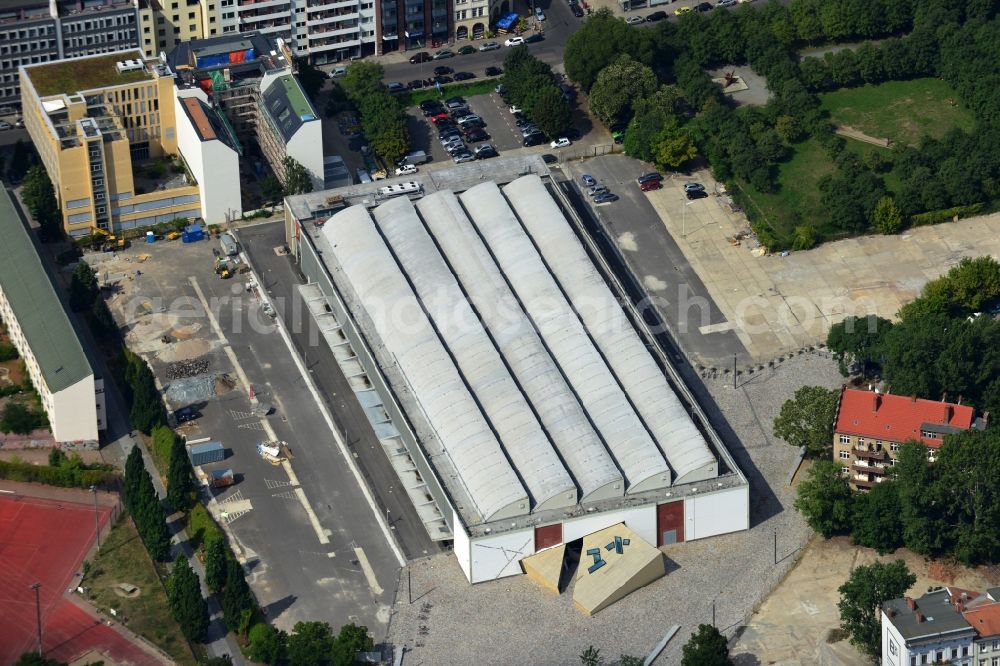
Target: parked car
[588,180]
[725,3]
[463,157]
[607,197]
[444,53]
[405,170]
[440,117]
[489,46]
[514,41]
[415,83]
[646,177]
[493,71]
[539,14]
[485,151]
[534,139]
[703,7]
[441,70]
[694,187]
[477,135]
[656,16]
[457,148]
[561,142]
[4,125]
[457,99]
[395,87]
[696,194]
[452,140]
[338,72]
[650,185]
[464,76]
[594,190]
[453,104]
[419,57]
[549,158]
[537,37]
[681,10]
[468,118]
[577,10]
[530,129]
[184,414]
[634,20]
[467,49]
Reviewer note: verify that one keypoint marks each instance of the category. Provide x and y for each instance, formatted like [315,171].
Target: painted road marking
[716,328]
[369,572]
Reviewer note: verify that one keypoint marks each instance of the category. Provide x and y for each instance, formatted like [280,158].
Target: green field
[902,111]
[123,559]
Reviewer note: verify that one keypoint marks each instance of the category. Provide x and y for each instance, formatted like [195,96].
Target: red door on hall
[550,535]
[670,523]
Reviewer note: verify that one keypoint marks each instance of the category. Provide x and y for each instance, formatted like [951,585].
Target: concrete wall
[214,165]
[716,513]
[463,549]
[306,147]
[73,416]
[500,556]
[641,520]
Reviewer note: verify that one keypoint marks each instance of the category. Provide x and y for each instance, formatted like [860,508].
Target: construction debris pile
[191,368]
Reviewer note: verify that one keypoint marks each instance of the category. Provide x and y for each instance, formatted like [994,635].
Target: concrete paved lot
[777,304]
[311,544]
[792,626]
[696,322]
[435,603]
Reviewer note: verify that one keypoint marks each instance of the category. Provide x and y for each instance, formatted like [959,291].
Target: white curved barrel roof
[530,362]
[610,410]
[372,272]
[656,402]
[478,360]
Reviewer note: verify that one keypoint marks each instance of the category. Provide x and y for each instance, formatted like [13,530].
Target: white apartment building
[927,630]
[73,398]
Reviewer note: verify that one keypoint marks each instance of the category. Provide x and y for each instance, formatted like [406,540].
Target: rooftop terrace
[87,73]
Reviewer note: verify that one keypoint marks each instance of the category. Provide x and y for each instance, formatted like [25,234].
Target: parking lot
[314,546]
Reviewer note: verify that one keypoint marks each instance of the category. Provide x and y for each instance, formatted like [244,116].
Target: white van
[337,72]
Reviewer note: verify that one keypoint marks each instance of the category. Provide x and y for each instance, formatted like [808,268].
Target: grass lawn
[123,559]
[902,111]
[201,526]
[469,89]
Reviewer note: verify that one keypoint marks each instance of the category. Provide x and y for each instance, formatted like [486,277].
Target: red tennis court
[45,541]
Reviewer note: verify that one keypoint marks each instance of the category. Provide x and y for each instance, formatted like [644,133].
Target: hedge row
[59,476]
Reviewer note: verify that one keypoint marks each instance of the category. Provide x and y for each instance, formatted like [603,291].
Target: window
[894,447]
[845,470]
[190,16]
[844,455]
[844,439]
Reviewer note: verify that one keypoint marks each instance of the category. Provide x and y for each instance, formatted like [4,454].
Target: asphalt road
[281,279]
[680,299]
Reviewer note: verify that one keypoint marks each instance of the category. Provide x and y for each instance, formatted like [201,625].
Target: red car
[651,185]
[441,117]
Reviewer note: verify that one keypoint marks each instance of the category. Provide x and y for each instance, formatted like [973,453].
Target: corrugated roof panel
[658,405]
[434,381]
[477,358]
[531,364]
[630,444]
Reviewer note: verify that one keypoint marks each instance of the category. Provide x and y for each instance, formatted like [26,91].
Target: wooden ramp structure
[545,566]
[615,563]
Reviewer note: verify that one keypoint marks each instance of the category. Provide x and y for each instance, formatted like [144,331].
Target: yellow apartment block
[163,24]
[103,126]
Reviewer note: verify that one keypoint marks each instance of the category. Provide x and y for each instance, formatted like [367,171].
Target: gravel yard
[440,619]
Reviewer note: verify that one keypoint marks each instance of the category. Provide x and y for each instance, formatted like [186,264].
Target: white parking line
[368,571]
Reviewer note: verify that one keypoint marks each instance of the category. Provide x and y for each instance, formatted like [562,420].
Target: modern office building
[163,24]
[129,142]
[521,406]
[38,326]
[871,426]
[37,31]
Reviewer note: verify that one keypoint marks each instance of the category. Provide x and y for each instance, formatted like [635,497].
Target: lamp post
[38,615]
[97,517]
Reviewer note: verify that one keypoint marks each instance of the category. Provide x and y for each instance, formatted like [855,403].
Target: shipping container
[202,454]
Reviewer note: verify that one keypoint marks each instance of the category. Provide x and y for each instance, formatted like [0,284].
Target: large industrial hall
[519,402]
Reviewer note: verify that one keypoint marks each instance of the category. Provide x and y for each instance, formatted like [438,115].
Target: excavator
[106,241]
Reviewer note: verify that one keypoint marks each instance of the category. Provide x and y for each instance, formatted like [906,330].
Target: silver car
[489,46]
[463,157]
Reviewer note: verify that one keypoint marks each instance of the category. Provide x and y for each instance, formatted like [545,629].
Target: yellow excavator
[106,241]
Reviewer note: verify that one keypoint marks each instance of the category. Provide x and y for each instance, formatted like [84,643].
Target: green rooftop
[87,73]
[40,313]
[296,97]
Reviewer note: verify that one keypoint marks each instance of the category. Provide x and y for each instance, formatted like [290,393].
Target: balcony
[330,31]
[320,19]
[869,455]
[861,468]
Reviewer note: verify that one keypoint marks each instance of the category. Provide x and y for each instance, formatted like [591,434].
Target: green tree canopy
[807,419]
[618,85]
[180,476]
[856,340]
[876,523]
[706,647]
[297,179]
[82,287]
[215,563]
[594,46]
[310,643]
[186,603]
[551,111]
[824,499]
[237,599]
[35,659]
[268,644]
[353,638]
[861,599]
[886,217]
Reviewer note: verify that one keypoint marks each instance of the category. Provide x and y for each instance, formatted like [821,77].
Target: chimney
[919,616]
[911,603]
[947,414]
[944,397]
[876,403]
[959,399]
[913,398]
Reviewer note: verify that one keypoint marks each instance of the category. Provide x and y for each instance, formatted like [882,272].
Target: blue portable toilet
[150,237]
[192,233]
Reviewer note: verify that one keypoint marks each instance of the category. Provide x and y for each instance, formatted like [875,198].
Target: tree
[353,638]
[618,86]
[876,522]
[861,599]
[807,419]
[967,469]
[267,644]
[886,217]
[187,605]
[16,417]
[180,477]
[35,659]
[271,189]
[310,643]
[311,78]
[551,111]
[824,499]
[590,657]
[856,340]
[134,466]
[674,148]
[215,563]
[706,647]
[56,457]
[40,198]
[297,179]
[150,519]
[101,318]
[20,162]
[629,660]
[82,287]
[788,128]
[592,48]
[236,597]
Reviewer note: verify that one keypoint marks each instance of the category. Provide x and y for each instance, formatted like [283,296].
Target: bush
[8,352]
[64,477]
[946,215]
[18,418]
